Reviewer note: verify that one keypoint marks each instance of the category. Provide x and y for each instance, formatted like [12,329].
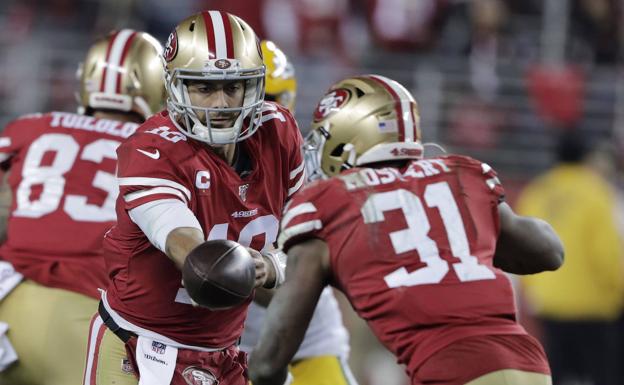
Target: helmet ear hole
[359,92]
[135,83]
[338,150]
[192,26]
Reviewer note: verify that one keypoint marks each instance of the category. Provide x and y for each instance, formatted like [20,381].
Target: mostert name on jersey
[89,123]
[373,177]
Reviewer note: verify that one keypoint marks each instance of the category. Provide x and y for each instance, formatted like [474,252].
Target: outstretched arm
[290,312]
[173,228]
[526,245]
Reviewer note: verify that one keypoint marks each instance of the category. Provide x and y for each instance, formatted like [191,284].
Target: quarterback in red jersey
[219,163]
[415,245]
[61,172]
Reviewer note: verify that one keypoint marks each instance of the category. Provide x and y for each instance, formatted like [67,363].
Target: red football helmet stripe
[398,106]
[405,111]
[223,42]
[124,54]
[227,26]
[108,51]
[210,35]
[115,53]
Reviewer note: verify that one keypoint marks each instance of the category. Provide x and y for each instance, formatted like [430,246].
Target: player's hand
[261,267]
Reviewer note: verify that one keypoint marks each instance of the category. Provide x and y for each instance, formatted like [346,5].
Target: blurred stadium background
[495,79]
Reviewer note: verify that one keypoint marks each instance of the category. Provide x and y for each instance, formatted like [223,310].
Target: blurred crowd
[348,28]
[489,74]
[502,80]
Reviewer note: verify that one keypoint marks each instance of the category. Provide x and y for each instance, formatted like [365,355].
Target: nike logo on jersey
[153,155]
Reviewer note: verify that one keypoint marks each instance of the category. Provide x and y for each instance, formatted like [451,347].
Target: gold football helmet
[123,72]
[214,45]
[362,120]
[281,83]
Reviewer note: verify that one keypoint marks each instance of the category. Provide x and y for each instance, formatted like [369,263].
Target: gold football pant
[107,361]
[322,370]
[512,377]
[49,330]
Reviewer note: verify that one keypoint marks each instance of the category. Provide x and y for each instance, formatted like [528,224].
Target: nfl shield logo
[158,347]
[242,192]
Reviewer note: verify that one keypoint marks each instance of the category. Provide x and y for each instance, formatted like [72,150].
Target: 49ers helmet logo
[195,376]
[171,48]
[222,64]
[331,102]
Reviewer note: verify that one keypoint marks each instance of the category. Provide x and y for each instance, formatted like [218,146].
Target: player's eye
[206,89]
[233,87]
[202,88]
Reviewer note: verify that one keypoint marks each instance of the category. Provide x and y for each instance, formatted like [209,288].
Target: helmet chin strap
[216,135]
[199,130]
[142,106]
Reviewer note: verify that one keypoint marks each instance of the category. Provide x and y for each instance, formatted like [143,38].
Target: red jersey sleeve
[146,173]
[492,182]
[296,163]
[13,137]
[486,173]
[290,141]
[303,216]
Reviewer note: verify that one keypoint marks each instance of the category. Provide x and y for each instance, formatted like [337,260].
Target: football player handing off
[218,163]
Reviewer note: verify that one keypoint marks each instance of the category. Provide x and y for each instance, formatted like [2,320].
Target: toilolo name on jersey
[89,123]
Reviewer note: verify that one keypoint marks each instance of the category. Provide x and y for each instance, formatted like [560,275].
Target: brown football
[219,274]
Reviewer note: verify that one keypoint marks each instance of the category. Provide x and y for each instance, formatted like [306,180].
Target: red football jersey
[62,176]
[413,250]
[159,162]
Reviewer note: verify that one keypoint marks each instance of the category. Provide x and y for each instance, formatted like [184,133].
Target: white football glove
[278,260]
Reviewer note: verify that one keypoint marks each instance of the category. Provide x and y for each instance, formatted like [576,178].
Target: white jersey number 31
[415,236]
